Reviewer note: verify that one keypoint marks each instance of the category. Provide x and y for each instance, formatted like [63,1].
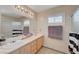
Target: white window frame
[56,23]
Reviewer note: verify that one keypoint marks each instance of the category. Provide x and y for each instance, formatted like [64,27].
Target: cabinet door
[34,47]
[39,43]
[28,49]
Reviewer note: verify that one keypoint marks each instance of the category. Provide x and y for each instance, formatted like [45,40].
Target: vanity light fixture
[25,10]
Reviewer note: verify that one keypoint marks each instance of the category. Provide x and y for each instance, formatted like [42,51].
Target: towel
[73,43]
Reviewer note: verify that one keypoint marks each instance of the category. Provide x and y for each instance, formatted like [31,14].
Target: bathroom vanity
[30,45]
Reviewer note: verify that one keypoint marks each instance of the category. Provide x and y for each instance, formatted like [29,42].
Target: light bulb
[26,11]
[18,6]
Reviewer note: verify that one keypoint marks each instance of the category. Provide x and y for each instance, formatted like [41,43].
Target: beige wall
[32,27]
[61,45]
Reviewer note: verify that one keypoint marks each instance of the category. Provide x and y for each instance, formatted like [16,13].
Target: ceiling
[39,8]
[9,10]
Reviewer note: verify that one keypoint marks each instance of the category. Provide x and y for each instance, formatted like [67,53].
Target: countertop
[8,48]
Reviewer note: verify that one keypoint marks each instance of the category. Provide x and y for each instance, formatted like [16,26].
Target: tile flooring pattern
[44,50]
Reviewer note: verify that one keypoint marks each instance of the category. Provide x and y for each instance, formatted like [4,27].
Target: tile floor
[45,50]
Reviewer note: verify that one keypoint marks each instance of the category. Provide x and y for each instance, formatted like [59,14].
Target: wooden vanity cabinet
[30,48]
[23,50]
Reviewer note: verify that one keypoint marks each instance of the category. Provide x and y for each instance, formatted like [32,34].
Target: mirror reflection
[14,24]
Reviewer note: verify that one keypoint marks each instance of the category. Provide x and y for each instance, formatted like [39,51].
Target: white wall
[76,27]
[61,45]
[75,21]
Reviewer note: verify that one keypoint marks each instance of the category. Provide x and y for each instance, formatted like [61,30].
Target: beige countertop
[5,49]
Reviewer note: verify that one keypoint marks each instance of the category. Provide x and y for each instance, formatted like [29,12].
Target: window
[55,31]
[26,23]
[55,19]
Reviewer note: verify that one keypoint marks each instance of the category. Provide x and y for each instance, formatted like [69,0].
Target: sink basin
[13,40]
[10,44]
[10,41]
[5,43]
